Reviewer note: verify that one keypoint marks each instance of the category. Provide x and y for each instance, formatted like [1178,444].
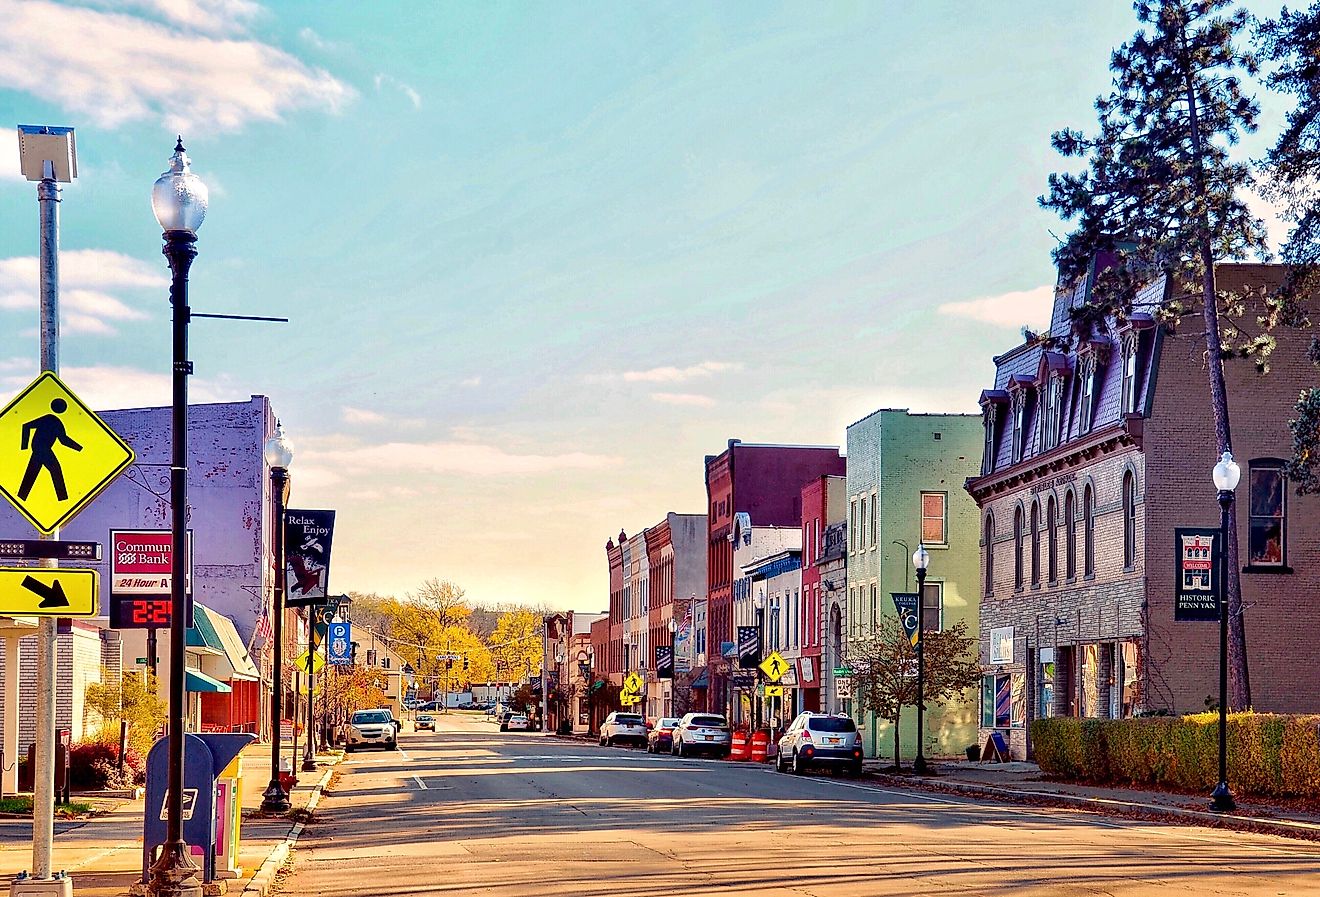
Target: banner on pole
[749,647]
[340,640]
[1197,589]
[307,538]
[906,603]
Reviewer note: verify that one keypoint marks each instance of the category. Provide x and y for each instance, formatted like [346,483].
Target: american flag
[263,630]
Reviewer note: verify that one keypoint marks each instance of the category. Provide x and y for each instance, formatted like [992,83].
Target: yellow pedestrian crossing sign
[56,455]
[309,662]
[774,666]
[634,683]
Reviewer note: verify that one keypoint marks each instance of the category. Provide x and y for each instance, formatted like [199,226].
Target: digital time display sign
[140,611]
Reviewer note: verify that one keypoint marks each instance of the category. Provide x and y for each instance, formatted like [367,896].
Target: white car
[623,727]
[516,721]
[371,728]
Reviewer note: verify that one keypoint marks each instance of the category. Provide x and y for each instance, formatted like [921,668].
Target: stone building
[1097,444]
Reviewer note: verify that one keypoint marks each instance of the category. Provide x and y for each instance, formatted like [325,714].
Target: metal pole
[43,781]
[309,752]
[152,656]
[1221,799]
[274,800]
[174,873]
[919,764]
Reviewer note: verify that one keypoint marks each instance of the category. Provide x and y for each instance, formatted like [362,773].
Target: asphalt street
[469,810]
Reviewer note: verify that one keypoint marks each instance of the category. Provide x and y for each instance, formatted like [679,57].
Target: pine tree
[1161,189]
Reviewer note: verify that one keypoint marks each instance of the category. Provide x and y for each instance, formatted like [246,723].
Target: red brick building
[1098,444]
[765,482]
[823,501]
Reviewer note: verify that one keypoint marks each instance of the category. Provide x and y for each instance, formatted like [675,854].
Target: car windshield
[370,716]
[667,723]
[717,721]
[627,719]
[831,724]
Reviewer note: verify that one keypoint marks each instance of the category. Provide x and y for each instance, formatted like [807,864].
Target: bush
[1268,754]
[95,764]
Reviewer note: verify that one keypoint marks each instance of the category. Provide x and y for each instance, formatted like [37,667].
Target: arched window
[1070,535]
[1088,530]
[1129,520]
[989,554]
[1017,548]
[1035,543]
[1051,521]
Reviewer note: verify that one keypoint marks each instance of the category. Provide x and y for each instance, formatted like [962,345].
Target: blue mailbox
[204,758]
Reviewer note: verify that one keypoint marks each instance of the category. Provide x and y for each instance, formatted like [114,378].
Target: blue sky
[541,259]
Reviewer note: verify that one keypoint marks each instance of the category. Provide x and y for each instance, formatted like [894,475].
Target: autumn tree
[516,644]
[884,670]
[1162,193]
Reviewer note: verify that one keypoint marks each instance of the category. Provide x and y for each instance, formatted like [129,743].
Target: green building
[905,487]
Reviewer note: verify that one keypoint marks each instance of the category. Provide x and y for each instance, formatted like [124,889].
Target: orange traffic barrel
[760,745]
[738,746]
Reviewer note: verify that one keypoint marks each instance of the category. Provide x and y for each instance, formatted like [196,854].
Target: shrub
[1268,754]
[95,764]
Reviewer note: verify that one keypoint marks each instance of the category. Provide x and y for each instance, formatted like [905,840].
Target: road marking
[400,752]
[420,783]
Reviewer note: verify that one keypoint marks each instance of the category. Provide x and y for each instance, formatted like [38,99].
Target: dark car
[821,740]
[661,736]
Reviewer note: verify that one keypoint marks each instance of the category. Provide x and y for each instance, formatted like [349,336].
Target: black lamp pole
[309,753]
[919,764]
[1221,799]
[274,799]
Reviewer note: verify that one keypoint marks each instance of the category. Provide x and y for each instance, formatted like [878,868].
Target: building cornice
[1069,456]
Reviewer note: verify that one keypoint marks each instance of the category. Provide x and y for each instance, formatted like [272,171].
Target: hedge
[1268,754]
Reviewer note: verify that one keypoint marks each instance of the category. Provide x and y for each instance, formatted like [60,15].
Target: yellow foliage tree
[516,644]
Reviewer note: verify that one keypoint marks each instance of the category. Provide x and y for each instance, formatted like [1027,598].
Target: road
[468,810]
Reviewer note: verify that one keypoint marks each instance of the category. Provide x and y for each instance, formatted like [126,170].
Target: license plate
[708,737]
[832,740]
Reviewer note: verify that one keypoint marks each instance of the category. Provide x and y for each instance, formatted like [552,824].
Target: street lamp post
[179,200]
[758,604]
[1225,475]
[309,752]
[673,665]
[921,560]
[279,455]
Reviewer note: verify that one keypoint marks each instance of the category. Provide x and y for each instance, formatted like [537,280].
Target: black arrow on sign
[51,595]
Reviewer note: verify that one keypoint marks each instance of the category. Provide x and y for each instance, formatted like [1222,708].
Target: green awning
[202,633]
[199,681]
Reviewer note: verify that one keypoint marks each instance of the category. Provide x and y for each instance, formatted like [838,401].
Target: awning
[224,654]
[702,681]
[195,680]
[728,649]
[240,662]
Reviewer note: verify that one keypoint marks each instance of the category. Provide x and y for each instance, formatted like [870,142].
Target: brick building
[764,482]
[1096,446]
[676,553]
[822,502]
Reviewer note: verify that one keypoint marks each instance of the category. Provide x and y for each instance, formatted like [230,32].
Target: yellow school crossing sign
[774,666]
[56,455]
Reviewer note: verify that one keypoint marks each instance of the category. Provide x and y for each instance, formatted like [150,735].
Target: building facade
[822,497]
[905,488]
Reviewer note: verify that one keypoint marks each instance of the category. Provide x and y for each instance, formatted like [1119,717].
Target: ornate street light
[278,453]
[921,560]
[1225,476]
[179,200]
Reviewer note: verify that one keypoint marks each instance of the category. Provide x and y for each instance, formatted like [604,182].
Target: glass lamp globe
[279,450]
[179,197]
[921,558]
[673,626]
[1226,473]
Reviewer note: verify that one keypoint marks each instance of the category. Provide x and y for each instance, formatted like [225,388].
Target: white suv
[623,727]
[371,728]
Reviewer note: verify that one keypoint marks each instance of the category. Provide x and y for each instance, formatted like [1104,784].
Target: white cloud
[106,387]
[683,398]
[1023,307]
[204,16]
[112,67]
[470,381]
[360,416]
[86,277]
[335,457]
[413,96]
[307,35]
[9,167]
[679,375]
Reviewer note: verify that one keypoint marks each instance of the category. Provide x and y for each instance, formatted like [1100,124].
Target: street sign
[842,671]
[46,592]
[634,682]
[774,691]
[843,689]
[22,549]
[142,562]
[341,644]
[905,603]
[309,662]
[57,454]
[774,666]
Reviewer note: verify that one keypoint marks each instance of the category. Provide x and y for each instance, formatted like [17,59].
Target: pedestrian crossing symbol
[774,666]
[56,455]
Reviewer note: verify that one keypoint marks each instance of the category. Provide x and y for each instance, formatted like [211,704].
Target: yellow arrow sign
[56,455]
[46,592]
[305,658]
[774,691]
[774,666]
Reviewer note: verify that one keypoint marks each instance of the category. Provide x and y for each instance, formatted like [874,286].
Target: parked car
[620,726]
[517,721]
[425,721]
[661,736]
[702,733]
[820,740]
[371,728]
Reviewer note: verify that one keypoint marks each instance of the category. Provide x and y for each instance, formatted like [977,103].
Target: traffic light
[465,664]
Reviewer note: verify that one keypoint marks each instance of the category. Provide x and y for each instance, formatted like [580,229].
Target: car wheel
[504,728]
[855,770]
[798,767]
[602,741]
[348,749]
[679,751]
[779,762]
[609,742]
[393,745]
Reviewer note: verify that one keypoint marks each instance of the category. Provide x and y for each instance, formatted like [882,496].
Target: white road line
[400,752]
[420,783]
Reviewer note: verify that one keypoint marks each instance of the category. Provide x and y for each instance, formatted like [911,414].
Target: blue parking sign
[341,643]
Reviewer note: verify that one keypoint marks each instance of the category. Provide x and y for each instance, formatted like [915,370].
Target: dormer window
[1019,423]
[1129,373]
[1086,406]
[1053,410]
[988,456]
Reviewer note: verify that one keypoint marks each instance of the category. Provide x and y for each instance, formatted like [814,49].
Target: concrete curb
[1287,828]
[260,883]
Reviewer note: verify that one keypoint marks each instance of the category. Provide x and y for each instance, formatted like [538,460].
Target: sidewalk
[1024,783]
[104,855]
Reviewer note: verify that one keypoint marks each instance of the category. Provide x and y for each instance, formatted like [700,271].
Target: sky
[541,259]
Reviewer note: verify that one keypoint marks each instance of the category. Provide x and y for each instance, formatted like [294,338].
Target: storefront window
[1003,701]
[1046,708]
